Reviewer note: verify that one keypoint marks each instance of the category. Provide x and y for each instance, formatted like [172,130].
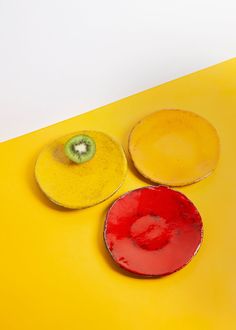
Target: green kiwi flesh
[80,148]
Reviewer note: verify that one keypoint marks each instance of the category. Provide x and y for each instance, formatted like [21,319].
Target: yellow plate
[77,186]
[55,271]
[174,147]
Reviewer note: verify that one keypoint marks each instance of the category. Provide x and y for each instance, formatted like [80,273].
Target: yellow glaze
[174,147]
[81,185]
[55,271]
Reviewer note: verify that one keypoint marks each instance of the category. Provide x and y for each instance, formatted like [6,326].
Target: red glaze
[153,231]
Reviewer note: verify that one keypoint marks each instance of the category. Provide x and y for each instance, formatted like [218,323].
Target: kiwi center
[81,148]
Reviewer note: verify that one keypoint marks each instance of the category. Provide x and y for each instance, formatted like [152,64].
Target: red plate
[153,231]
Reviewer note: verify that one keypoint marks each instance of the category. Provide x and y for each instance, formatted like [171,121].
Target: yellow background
[55,272]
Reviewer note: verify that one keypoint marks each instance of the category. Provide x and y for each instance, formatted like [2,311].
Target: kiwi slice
[80,148]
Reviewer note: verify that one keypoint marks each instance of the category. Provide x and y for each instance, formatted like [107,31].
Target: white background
[59,58]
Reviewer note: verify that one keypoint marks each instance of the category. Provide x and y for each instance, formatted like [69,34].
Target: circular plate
[81,185]
[153,231]
[174,147]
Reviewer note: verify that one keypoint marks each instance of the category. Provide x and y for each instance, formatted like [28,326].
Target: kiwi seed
[80,148]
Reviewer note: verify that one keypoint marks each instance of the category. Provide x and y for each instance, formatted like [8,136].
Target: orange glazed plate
[174,147]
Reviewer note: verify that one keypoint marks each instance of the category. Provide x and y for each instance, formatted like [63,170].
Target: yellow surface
[55,272]
[174,147]
[81,185]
